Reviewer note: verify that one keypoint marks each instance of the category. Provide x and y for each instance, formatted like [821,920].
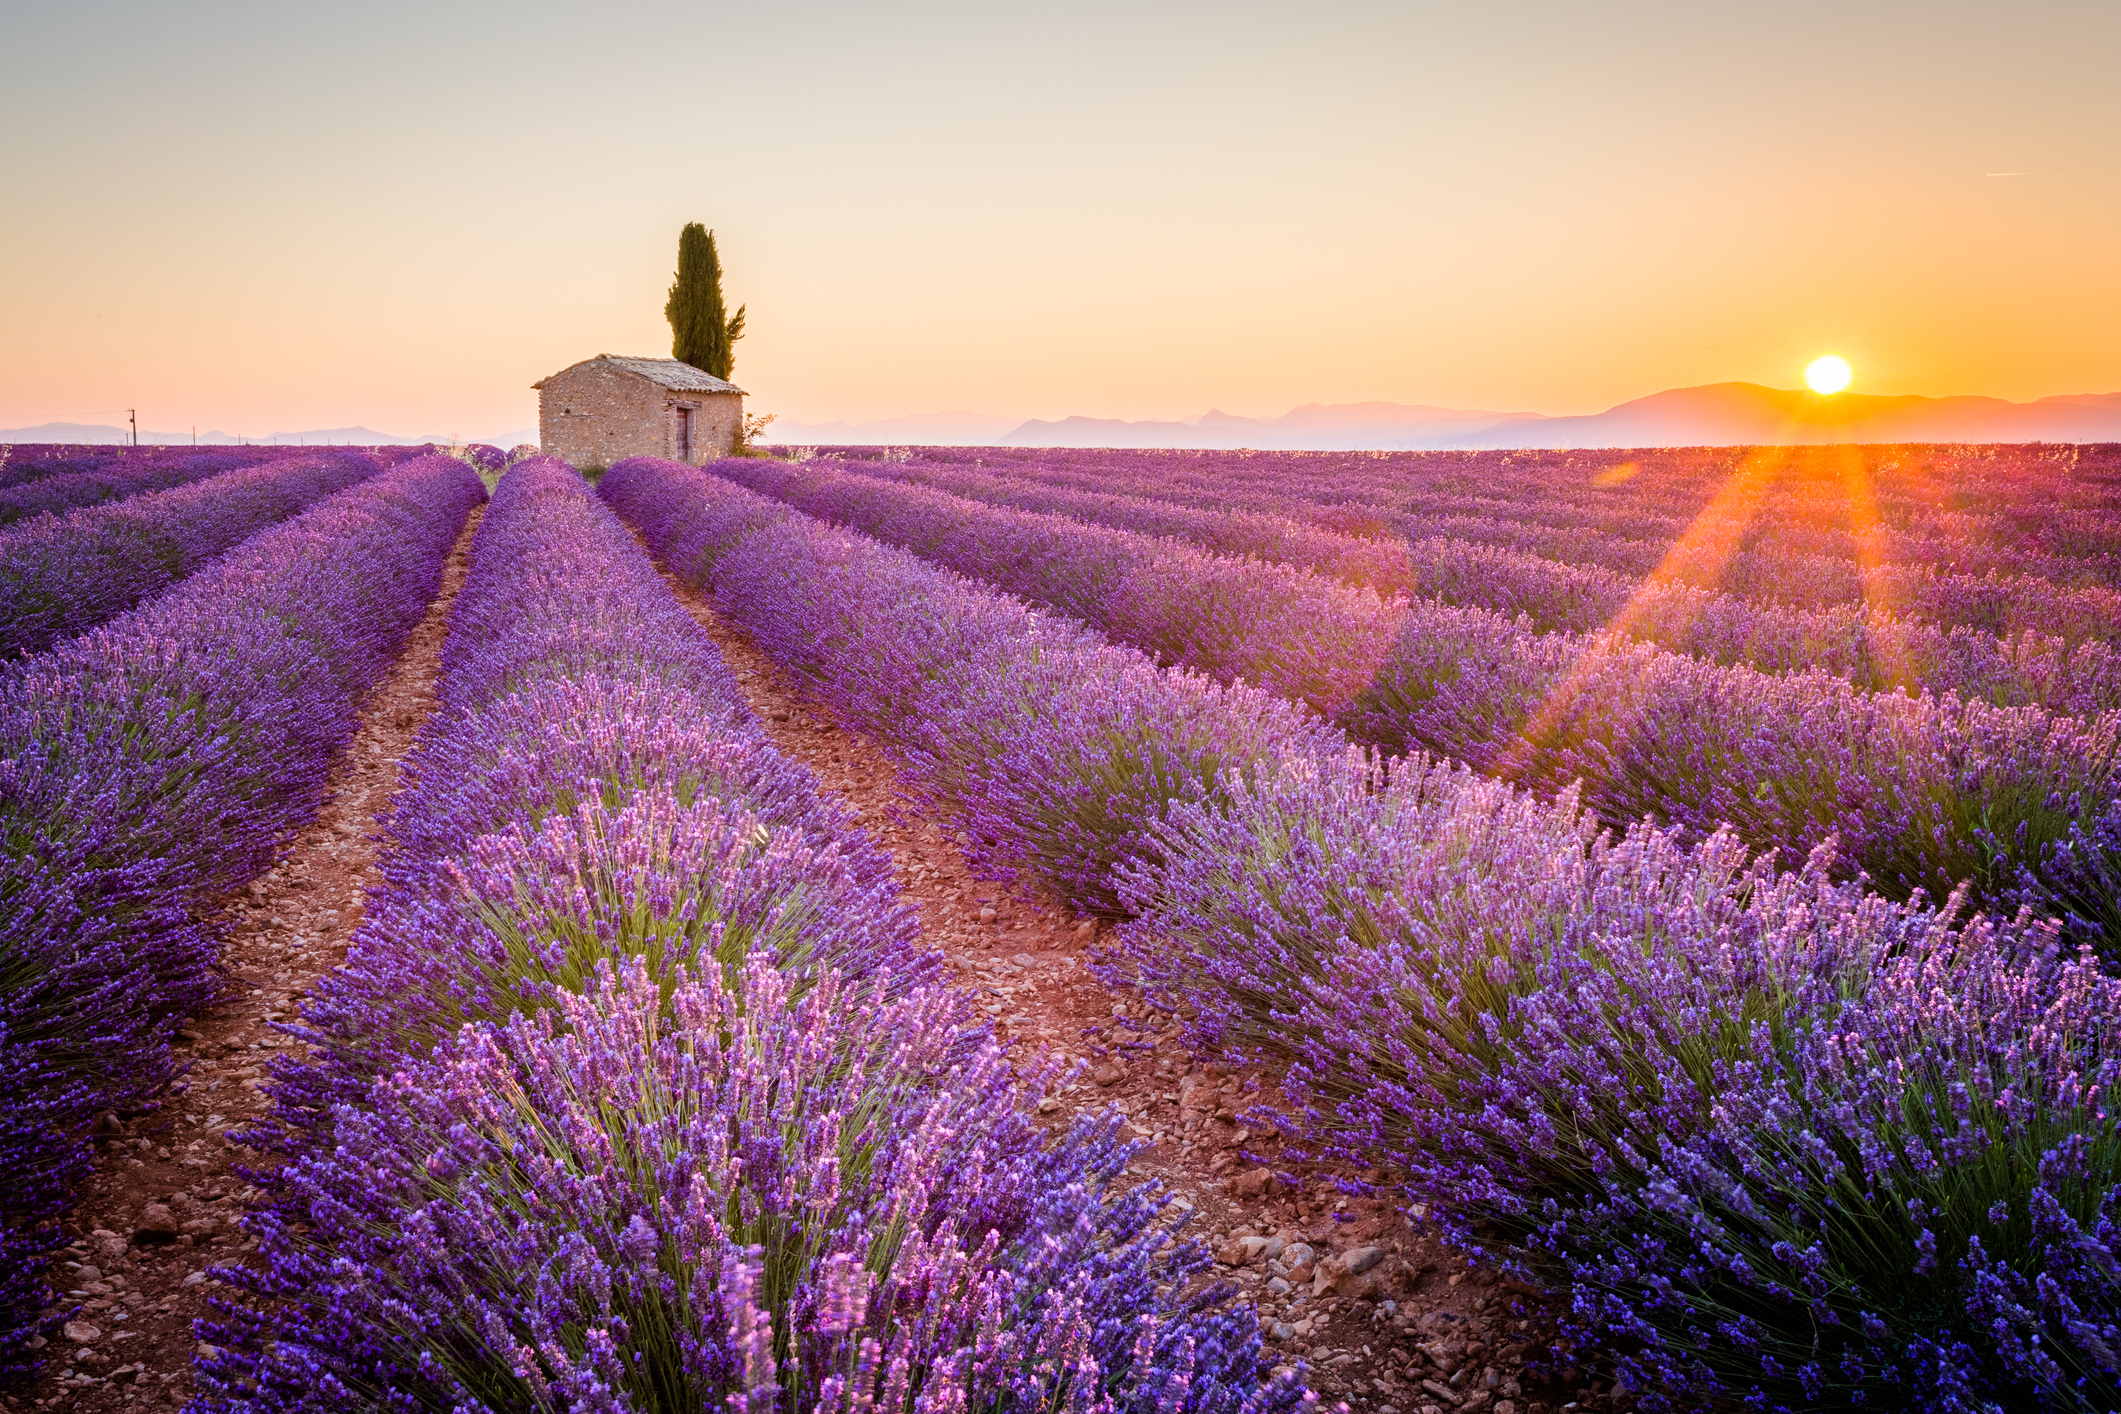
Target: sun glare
[1828,373]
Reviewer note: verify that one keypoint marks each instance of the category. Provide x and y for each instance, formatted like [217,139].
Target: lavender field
[1685,882]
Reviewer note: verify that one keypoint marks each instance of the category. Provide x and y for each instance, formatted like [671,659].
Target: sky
[260,217]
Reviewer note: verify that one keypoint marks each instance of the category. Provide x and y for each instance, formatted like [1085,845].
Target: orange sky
[260,217]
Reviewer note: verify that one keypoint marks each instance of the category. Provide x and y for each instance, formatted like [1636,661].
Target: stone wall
[716,424]
[595,414]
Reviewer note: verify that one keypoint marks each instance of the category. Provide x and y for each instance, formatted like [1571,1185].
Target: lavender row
[572,676]
[1920,793]
[2002,509]
[62,574]
[23,463]
[1600,1061]
[2042,512]
[1062,746]
[1298,634]
[151,765]
[132,476]
[1772,531]
[638,1089]
[1875,650]
[2003,589]
[1773,1141]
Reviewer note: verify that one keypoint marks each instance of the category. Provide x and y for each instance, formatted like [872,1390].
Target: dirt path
[1389,1320]
[164,1200]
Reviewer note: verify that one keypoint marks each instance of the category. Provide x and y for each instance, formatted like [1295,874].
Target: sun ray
[1698,556]
[1867,533]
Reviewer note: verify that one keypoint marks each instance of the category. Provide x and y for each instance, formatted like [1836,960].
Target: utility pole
[132,415]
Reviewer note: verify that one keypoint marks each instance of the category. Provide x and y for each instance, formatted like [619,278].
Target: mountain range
[1314,425]
[1734,414]
[1320,426]
[1714,414]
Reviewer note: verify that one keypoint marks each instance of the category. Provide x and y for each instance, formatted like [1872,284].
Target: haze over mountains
[1714,414]
[1314,425]
[1729,414]
[1321,426]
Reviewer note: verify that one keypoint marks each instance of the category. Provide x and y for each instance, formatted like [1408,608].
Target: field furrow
[168,1195]
[1927,793]
[2044,658]
[1029,962]
[151,767]
[636,1033]
[1647,1070]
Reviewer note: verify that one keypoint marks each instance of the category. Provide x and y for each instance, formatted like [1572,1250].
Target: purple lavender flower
[1924,793]
[147,766]
[62,574]
[1777,1137]
[638,1090]
[721,1190]
[144,470]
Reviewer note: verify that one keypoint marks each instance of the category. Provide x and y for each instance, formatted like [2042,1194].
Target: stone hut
[607,408]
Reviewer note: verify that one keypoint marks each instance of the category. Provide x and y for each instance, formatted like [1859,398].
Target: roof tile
[669,373]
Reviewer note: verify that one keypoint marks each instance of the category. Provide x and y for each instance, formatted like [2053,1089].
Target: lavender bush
[24,462]
[639,1092]
[1052,749]
[135,475]
[1778,1140]
[2078,881]
[153,763]
[1921,793]
[1782,1141]
[62,574]
[483,456]
[573,682]
[1923,1218]
[1873,648]
[714,1188]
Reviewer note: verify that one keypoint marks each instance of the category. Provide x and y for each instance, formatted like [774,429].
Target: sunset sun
[1828,373]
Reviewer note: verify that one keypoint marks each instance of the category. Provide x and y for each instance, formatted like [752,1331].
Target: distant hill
[1716,414]
[1735,414]
[1314,426]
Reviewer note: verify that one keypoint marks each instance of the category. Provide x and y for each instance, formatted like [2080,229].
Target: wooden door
[685,435]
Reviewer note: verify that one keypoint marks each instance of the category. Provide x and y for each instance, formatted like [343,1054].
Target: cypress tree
[701,334]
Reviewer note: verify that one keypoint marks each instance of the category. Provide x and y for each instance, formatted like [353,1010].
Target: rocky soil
[1387,1318]
[166,1201]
